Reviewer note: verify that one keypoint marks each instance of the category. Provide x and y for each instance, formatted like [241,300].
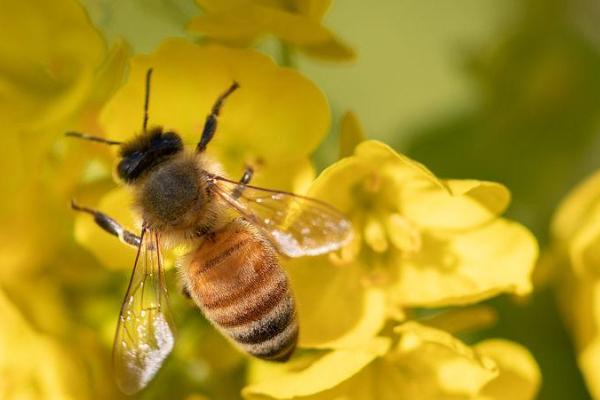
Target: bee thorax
[169,193]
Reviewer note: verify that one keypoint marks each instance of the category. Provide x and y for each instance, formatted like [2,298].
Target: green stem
[287,55]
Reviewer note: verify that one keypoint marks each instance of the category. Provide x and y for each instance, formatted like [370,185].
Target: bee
[236,233]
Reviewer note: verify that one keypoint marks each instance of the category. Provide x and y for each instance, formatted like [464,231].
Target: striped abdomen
[236,280]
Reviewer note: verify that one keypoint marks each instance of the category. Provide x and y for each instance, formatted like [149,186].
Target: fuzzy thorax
[176,199]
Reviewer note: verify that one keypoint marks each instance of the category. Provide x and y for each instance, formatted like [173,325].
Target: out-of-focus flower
[416,362]
[351,134]
[55,71]
[273,122]
[519,376]
[40,78]
[117,203]
[34,365]
[43,89]
[296,23]
[576,255]
[419,242]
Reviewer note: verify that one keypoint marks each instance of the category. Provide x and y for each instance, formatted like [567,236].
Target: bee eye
[171,140]
[150,153]
[156,140]
[128,165]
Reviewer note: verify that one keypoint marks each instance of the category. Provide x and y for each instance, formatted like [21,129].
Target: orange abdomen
[236,280]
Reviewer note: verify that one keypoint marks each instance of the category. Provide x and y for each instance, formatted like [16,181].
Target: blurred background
[499,90]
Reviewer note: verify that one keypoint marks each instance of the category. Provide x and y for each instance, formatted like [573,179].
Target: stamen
[403,234]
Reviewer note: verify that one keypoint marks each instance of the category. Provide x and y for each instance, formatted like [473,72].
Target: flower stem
[286,55]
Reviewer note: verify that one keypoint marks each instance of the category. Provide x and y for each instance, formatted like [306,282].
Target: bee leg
[244,180]
[248,173]
[210,124]
[110,225]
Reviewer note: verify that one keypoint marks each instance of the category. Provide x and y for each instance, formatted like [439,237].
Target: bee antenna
[98,139]
[77,207]
[147,99]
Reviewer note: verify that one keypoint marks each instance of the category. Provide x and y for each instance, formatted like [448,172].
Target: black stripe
[282,353]
[258,310]
[264,278]
[270,327]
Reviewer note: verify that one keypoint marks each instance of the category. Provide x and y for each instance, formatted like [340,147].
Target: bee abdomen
[262,321]
[239,285]
[273,335]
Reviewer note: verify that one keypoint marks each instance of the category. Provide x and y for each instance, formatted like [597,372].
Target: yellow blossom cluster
[420,244]
[45,89]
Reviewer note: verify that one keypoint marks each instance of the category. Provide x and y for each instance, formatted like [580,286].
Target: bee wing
[298,225]
[144,336]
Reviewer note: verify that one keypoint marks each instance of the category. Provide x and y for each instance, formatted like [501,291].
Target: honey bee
[236,233]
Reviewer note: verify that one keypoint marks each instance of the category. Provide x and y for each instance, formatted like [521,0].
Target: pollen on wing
[153,342]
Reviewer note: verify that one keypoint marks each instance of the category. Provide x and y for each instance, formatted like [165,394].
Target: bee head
[146,152]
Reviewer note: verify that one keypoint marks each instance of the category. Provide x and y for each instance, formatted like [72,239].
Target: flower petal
[584,246]
[333,49]
[41,78]
[433,364]
[245,21]
[519,375]
[109,251]
[425,364]
[414,172]
[324,373]
[575,208]
[314,9]
[55,374]
[372,159]
[324,294]
[581,310]
[254,20]
[277,117]
[351,134]
[589,362]
[409,186]
[467,204]
[468,267]
[295,176]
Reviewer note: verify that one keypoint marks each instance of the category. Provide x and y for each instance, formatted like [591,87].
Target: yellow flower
[57,74]
[417,362]
[36,71]
[56,372]
[519,376]
[103,246]
[576,251]
[42,86]
[419,242]
[273,122]
[45,88]
[55,71]
[297,22]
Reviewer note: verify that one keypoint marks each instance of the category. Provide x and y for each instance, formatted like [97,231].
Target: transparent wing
[144,335]
[298,225]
